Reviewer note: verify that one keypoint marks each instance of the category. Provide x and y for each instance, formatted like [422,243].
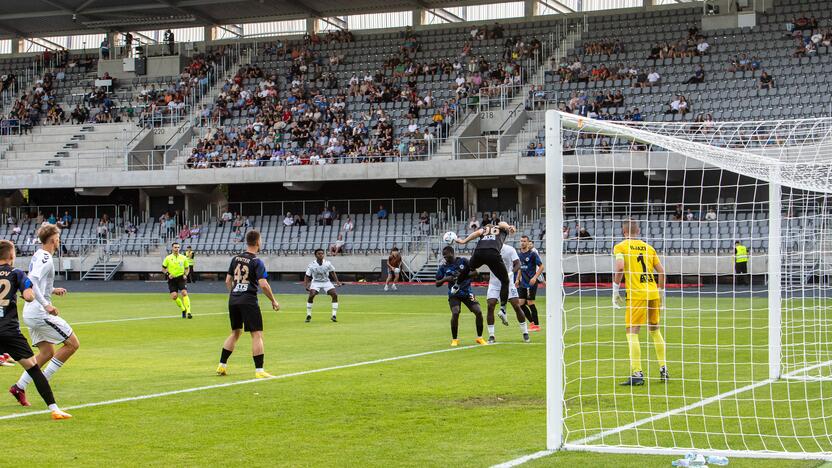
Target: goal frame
[555,369]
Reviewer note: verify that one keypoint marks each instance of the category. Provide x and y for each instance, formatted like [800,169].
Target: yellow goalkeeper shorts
[640,309]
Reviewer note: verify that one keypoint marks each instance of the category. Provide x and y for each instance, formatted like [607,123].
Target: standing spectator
[170,226]
[128,44]
[394,269]
[565,232]
[327,216]
[103,230]
[382,213]
[424,222]
[169,40]
[105,48]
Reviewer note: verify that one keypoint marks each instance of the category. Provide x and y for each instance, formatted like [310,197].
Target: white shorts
[321,286]
[494,291]
[52,329]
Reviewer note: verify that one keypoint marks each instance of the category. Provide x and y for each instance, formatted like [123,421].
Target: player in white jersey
[46,328]
[512,263]
[318,278]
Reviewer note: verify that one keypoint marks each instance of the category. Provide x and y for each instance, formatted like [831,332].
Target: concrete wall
[436,169]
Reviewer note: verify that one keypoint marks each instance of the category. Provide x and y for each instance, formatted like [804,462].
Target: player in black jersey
[487,252]
[12,340]
[245,275]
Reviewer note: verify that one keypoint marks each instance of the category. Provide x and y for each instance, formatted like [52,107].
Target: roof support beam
[556,5]
[335,21]
[149,39]
[234,29]
[45,43]
[445,15]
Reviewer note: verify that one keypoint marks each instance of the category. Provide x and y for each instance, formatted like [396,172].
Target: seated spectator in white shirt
[710,215]
[349,225]
[226,217]
[289,220]
[338,246]
[703,47]
[653,77]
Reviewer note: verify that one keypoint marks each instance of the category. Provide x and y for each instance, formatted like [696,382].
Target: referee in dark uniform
[245,274]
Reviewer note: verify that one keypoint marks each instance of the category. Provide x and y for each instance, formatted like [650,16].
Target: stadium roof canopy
[37,18]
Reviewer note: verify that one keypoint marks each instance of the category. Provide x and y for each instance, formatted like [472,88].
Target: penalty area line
[244,382]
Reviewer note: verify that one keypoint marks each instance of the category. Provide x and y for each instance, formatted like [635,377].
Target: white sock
[54,407]
[259,369]
[54,366]
[334,309]
[524,327]
[24,381]
[490,330]
[308,309]
[223,365]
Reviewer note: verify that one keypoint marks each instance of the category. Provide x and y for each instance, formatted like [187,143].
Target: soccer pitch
[381,387]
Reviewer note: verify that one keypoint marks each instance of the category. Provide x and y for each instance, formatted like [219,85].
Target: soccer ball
[449,237]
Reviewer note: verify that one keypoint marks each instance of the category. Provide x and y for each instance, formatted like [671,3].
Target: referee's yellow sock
[178,302]
[187,301]
[658,342]
[635,352]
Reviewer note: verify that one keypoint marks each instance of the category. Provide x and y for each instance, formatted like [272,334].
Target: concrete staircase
[103,270]
[50,149]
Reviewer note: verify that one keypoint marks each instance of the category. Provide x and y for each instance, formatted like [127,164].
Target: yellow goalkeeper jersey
[640,260]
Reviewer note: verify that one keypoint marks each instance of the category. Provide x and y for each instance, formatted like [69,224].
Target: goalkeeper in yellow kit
[635,262]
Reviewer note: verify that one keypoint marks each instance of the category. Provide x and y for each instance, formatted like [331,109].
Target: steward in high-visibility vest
[741,261]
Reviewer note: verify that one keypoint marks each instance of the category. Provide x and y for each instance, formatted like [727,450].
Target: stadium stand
[360,99]
[607,74]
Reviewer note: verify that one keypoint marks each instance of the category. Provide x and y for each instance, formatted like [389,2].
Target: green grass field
[468,407]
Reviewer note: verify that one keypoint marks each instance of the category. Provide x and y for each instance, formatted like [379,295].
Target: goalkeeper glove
[617,299]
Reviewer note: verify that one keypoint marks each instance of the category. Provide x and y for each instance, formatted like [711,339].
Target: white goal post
[749,354]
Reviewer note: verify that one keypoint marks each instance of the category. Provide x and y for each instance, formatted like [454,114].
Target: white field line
[666,414]
[243,382]
[155,317]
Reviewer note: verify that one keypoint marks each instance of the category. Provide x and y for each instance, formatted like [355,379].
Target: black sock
[225,355]
[42,384]
[454,325]
[527,312]
[479,324]
[258,361]
[533,307]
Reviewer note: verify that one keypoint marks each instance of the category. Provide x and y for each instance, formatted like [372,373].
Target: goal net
[741,218]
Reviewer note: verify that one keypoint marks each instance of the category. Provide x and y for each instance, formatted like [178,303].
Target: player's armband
[619,256]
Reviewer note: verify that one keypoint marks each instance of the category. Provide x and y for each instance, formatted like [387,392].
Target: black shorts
[246,316]
[741,268]
[469,301]
[177,284]
[529,293]
[17,347]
